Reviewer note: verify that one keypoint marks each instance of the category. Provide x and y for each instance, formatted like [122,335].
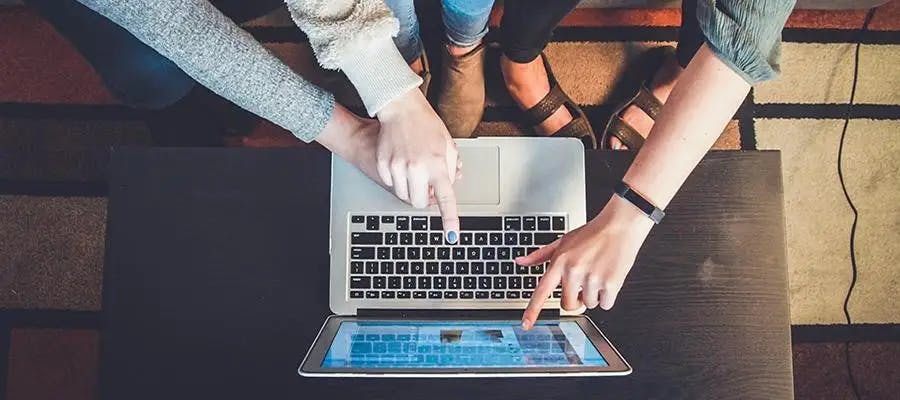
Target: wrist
[405,103]
[620,213]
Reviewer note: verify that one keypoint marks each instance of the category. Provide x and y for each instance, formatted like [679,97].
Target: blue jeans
[465,22]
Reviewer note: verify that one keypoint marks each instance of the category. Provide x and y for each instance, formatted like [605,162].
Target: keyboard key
[477,268]
[398,253]
[391,238]
[356,294]
[537,269]
[465,238]
[431,268]
[428,253]
[387,294]
[473,253]
[436,224]
[443,253]
[530,282]
[387,219]
[557,294]
[521,269]
[482,294]
[424,282]
[419,294]
[454,282]
[481,239]
[403,295]
[357,219]
[465,295]
[512,223]
[371,267]
[435,238]
[384,253]
[439,282]
[413,253]
[488,253]
[409,282]
[434,294]
[450,294]
[542,238]
[356,267]
[362,253]
[480,223]
[484,282]
[421,238]
[394,282]
[365,238]
[511,239]
[529,250]
[447,268]
[495,238]
[402,267]
[493,268]
[497,295]
[504,253]
[526,294]
[462,268]
[379,282]
[499,282]
[372,223]
[419,223]
[507,268]
[526,239]
[406,238]
[559,224]
[469,282]
[402,223]
[417,268]
[387,267]
[543,223]
[459,253]
[372,294]
[529,223]
[512,295]
[518,252]
[515,282]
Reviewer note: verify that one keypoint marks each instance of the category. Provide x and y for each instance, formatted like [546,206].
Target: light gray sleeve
[217,53]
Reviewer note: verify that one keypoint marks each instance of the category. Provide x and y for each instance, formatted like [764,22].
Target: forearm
[213,50]
[702,102]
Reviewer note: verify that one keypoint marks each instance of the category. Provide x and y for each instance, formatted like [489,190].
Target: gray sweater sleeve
[217,53]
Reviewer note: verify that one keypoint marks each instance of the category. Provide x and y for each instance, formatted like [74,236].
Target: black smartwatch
[654,213]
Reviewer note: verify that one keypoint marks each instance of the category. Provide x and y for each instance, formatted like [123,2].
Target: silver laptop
[408,304]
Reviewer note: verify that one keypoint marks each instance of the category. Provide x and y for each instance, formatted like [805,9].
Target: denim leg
[135,73]
[466,21]
[408,40]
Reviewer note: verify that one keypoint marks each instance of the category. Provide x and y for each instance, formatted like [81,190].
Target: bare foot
[661,86]
[527,84]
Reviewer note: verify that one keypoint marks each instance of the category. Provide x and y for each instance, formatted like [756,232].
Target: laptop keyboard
[406,257]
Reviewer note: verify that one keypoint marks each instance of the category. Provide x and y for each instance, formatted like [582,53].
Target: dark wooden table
[217,270]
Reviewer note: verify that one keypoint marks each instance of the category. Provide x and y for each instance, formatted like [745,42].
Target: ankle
[459,51]
[417,66]
[518,76]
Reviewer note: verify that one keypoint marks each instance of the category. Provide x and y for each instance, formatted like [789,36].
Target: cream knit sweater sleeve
[354,36]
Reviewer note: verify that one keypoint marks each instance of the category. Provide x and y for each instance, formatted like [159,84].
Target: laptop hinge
[513,314]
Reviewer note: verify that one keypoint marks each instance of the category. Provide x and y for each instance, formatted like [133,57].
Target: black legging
[528,25]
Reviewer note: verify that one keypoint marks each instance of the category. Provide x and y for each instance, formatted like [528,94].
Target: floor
[57,121]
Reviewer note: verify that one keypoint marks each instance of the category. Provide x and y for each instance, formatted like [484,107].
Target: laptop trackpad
[481,175]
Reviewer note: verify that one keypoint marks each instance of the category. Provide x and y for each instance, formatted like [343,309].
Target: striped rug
[57,122]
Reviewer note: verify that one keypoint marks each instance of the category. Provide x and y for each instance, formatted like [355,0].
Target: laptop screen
[460,344]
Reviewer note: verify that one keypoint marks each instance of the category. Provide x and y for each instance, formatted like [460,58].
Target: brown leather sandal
[578,127]
[644,99]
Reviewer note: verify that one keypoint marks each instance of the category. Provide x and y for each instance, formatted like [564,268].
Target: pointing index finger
[543,290]
[445,196]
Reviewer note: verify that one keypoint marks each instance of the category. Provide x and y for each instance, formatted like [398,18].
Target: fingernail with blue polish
[452,237]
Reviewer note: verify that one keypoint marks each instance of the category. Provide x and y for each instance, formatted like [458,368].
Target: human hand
[416,157]
[591,262]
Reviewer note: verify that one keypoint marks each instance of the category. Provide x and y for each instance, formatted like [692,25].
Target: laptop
[408,304]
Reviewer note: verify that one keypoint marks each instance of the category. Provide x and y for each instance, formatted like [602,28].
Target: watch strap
[653,212]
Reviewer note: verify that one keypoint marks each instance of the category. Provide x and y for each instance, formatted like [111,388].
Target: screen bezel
[312,363]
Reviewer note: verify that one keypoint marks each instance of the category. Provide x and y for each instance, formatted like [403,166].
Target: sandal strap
[625,133]
[578,127]
[554,99]
[645,100]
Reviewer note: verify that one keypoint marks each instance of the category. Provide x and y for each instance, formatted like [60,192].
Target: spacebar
[481,223]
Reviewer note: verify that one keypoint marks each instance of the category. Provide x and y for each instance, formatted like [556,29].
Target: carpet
[57,122]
